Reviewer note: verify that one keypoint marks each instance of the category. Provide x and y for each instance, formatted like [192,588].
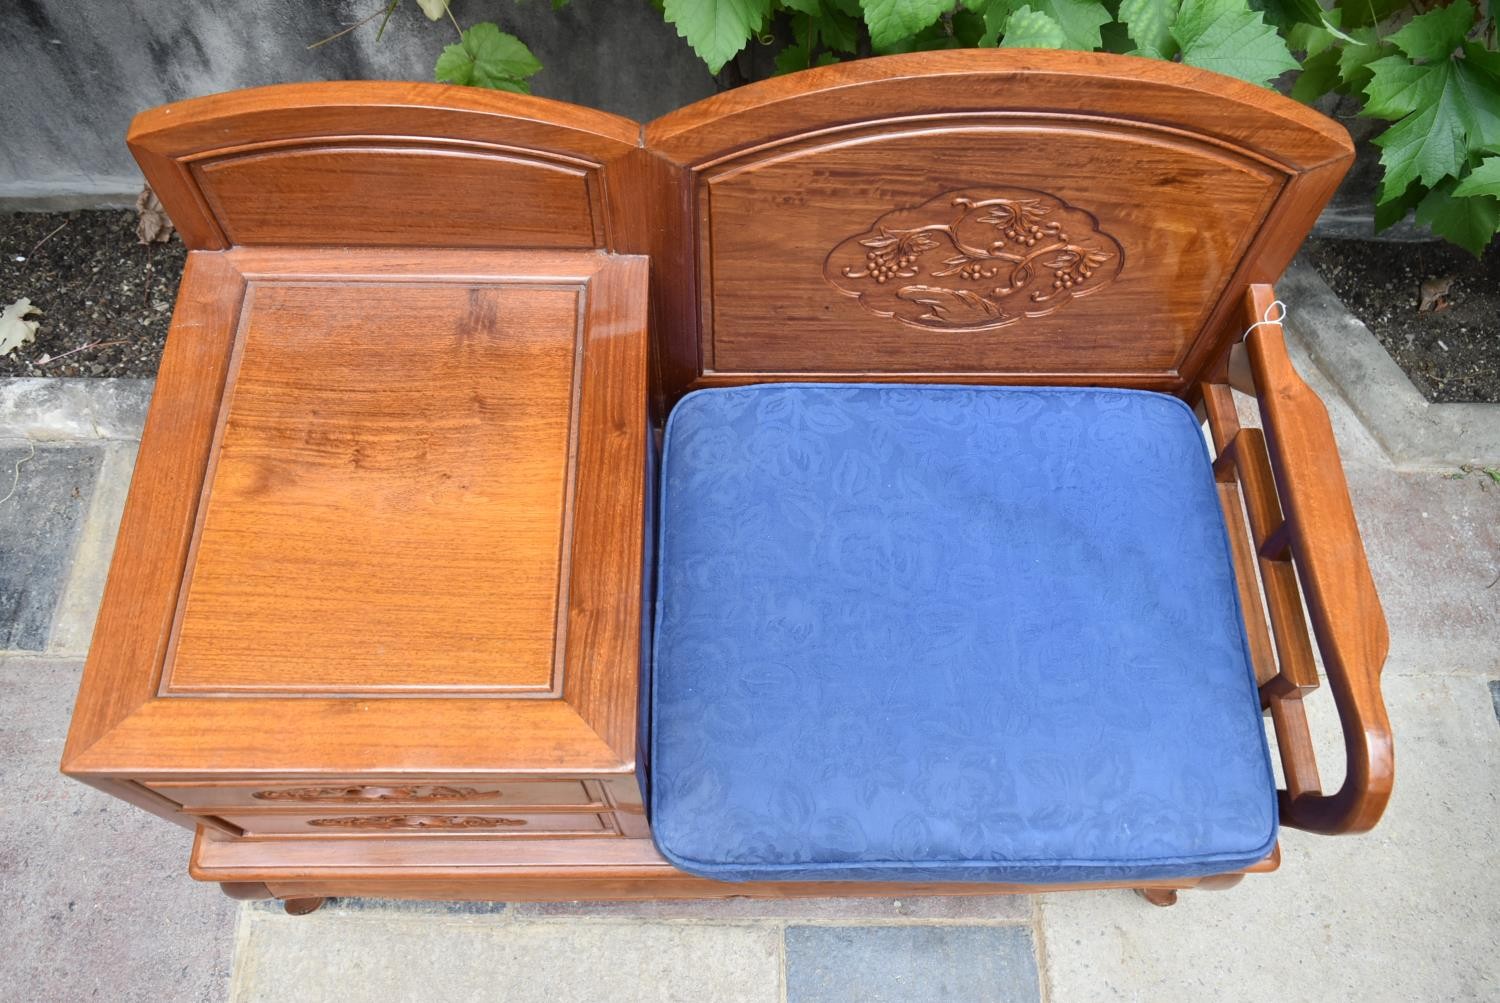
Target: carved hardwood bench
[804,494]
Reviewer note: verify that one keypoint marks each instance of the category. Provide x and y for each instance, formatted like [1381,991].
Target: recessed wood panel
[972,247]
[406,196]
[388,504]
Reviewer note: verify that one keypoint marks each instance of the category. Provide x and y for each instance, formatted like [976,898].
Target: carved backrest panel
[978,216]
[383,164]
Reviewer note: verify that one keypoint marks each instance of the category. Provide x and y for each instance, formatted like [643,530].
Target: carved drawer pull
[363,794]
[391,822]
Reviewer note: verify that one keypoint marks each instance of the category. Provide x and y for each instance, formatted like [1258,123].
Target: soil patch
[104,297]
[1451,354]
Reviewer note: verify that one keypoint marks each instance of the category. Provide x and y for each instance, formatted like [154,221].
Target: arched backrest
[984,216]
[384,164]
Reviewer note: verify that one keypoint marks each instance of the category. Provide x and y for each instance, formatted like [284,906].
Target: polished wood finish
[1158,896]
[532,870]
[377,618]
[1306,544]
[281,453]
[1185,186]
[382,164]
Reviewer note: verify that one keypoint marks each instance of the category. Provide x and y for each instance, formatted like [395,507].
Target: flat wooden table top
[421,476]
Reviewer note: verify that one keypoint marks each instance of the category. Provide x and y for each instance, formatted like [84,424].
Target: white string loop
[1267,320]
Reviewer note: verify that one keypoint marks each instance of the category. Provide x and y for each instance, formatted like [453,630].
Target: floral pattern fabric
[928,633]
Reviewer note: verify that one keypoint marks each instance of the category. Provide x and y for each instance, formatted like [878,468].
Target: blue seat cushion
[938,633]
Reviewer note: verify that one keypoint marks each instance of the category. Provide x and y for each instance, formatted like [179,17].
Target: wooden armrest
[1321,538]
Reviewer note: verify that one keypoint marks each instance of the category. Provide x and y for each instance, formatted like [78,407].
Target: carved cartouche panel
[975,259]
[359,795]
[399,822]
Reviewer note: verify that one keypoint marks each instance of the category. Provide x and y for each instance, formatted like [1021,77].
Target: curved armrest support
[1325,546]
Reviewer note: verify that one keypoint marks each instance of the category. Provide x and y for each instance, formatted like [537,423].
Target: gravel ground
[104,297]
[1452,355]
[107,300]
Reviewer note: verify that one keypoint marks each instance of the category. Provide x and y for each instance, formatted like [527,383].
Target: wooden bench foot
[301,907]
[245,891]
[1158,896]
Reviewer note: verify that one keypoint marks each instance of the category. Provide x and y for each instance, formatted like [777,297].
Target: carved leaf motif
[989,246]
[360,794]
[398,822]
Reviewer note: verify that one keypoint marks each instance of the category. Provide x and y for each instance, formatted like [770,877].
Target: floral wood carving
[975,259]
[363,794]
[395,822]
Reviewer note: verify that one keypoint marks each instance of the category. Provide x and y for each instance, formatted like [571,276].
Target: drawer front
[438,796]
[418,823]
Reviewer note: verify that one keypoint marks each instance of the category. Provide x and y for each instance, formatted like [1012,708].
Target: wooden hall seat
[378,621]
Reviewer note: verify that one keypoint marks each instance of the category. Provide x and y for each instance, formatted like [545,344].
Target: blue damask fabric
[949,634]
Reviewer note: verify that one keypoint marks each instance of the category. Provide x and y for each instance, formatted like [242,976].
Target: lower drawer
[436,822]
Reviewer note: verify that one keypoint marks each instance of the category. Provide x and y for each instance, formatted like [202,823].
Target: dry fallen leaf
[15,329]
[1434,294]
[152,225]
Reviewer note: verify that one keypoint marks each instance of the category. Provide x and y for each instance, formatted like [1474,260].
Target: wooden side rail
[1302,529]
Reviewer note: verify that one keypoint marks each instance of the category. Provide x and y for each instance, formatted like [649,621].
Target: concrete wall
[74,72]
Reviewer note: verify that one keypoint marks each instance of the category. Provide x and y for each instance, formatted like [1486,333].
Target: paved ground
[98,904]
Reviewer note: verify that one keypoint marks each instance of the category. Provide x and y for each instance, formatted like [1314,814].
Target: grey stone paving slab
[1413,431]
[1432,537]
[1409,911]
[967,908]
[902,964]
[97,902]
[362,956]
[1434,549]
[39,526]
[78,607]
[64,409]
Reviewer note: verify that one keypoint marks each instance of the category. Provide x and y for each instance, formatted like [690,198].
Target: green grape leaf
[808,7]
[1228,37]
[1470,222]
[1477,76]
[996,13]
[1428,144]
[968,28]
[791,58]
[1355,58]
[1398,87]
[1320,74]
[891,21]
[1079,20]
[1482,180]
[1437,33]
[838,30]
[488,57]
[717,29]
[1393,211]
[1031,29]
[1286,13]
[827,59]
[1366,13]
[1150,26]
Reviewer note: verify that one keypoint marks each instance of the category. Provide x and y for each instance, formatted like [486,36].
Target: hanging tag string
[1274,315]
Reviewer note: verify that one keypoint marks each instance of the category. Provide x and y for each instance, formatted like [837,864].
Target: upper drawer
[511,793]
